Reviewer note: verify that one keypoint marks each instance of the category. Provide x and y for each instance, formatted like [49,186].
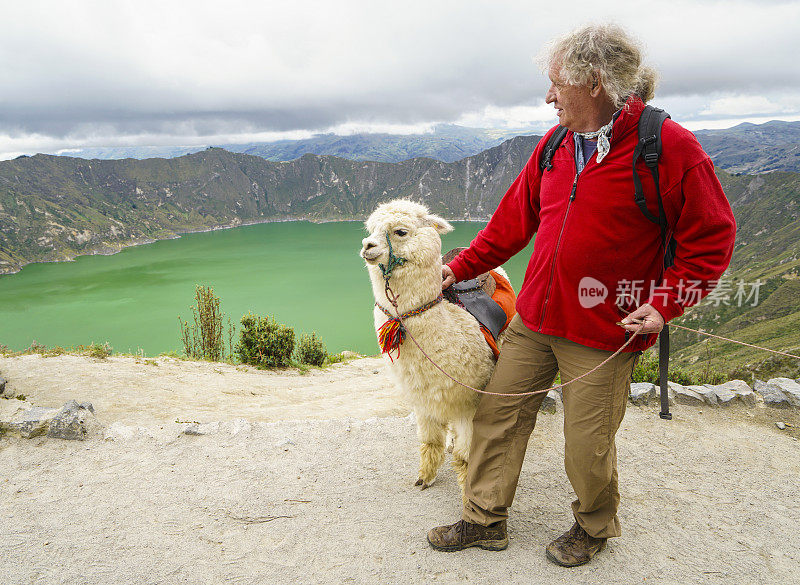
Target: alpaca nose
[367,244]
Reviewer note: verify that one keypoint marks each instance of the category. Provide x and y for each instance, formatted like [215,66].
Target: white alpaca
[448,334]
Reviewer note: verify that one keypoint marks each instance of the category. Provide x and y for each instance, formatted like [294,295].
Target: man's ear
[597,85]
[440,225]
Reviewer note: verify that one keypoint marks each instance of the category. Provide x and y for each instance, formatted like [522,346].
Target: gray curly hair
[609,51]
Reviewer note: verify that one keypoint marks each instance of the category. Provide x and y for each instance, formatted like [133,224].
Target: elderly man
[588,230]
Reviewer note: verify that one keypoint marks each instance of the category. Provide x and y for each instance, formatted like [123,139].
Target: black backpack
[649,148]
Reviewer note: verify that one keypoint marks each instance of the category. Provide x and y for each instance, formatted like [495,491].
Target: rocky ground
[309,479]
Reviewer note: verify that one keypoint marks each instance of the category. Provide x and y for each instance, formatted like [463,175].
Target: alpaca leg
[431,435]
[450,439]
[462,430]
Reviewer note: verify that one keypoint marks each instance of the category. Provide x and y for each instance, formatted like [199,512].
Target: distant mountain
[746,148]
[447,143]
[754,148]
[137,152]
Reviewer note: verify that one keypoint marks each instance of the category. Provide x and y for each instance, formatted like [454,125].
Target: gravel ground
[709,497]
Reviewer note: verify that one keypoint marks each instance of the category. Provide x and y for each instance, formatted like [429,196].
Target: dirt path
[161,390]
[710,497]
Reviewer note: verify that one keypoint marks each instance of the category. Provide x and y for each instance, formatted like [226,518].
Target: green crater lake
[308,276]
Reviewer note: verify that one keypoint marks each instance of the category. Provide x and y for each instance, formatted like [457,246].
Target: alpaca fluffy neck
[413,284]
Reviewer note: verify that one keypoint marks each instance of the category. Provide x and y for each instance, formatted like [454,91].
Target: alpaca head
[412,231]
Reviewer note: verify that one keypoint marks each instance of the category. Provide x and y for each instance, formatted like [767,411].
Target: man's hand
[448,277]
[647,314]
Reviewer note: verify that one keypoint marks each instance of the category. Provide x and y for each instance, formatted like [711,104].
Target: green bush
[311,350]
[96,350]
[264,343]
[36,347]
[646,370]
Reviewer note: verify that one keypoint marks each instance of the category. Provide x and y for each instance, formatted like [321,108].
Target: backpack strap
[663,370]
[649,148]
[555,140]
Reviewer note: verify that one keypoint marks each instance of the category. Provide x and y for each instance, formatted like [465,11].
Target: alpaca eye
[401,233]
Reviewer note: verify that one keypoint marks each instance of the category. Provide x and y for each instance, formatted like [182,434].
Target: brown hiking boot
[574,547]
[463,534]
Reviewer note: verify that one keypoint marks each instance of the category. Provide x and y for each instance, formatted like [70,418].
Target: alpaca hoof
[423,484]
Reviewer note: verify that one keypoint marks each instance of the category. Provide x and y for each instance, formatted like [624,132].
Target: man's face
[574,103]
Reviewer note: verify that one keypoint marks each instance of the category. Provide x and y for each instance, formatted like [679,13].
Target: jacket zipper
[558,245]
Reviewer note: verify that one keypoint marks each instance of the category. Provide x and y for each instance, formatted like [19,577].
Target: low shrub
[264,343]
[334,358]
[311,350]
[744,373]
[43,350]
[95,350]
[36,347]
[204,339]
[646,370]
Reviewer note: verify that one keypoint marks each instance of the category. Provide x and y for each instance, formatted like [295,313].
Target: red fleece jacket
[590,235]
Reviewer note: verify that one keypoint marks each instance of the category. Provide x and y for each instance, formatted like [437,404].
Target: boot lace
[575,535]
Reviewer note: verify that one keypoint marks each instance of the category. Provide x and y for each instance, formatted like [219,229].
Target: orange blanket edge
[504,296]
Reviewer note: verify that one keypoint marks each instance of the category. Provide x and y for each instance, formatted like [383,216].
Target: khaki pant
[593,411]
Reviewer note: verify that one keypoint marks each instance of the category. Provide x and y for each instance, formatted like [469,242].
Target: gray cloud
[73,71]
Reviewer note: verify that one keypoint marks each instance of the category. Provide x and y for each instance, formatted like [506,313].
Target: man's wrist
[457,268]
[666,308]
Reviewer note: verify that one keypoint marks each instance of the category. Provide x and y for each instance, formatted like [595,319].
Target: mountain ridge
[54,208]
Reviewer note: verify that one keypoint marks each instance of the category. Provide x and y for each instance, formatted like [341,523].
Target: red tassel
[390,337]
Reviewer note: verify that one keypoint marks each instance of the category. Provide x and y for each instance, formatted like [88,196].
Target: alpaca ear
[439,224]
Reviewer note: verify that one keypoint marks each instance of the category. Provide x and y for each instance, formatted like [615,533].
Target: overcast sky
[112,73]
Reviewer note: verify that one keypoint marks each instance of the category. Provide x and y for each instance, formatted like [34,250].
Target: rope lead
[392,298]
[394,262]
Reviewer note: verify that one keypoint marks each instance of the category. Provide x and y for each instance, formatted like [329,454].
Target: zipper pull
[574,187]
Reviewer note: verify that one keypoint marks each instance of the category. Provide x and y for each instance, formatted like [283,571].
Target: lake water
[309,276]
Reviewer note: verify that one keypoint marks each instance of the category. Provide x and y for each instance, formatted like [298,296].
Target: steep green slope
[768,251]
